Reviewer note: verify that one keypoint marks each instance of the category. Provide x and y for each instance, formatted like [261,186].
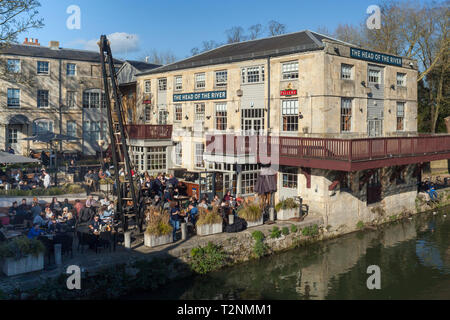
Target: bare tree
[275,28]
[159,57]
[323,30]
[256,31]
[350,34]
[235,34]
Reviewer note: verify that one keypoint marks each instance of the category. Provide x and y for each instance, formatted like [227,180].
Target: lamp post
[101,143]
[55,150]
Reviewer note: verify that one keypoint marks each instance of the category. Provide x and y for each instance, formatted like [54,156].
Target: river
[413,256]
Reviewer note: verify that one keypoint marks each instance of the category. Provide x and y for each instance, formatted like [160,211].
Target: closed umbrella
[9,158]
[266,181]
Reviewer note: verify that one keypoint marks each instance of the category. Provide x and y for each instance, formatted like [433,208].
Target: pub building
[337,122]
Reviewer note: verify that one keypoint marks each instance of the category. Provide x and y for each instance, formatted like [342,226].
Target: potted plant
[159,230]
[21,255]
[287,209]
[252,213]
[106,184]
[209,222]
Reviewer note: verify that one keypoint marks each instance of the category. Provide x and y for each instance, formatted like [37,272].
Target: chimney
[31,42]
[146,59]
[54,45]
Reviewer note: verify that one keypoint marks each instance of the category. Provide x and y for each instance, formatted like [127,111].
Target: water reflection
[414,257]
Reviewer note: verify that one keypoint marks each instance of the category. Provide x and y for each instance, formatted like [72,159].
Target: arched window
[42,126]
[94,98]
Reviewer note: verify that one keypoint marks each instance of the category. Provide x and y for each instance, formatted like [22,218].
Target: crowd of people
[17,179]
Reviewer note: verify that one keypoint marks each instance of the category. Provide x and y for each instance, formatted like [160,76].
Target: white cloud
[121,42]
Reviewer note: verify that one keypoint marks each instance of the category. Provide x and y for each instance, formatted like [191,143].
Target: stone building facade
[305,87]
[51,89]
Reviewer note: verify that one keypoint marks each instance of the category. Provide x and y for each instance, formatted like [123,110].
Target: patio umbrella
[9,158]
[48,137]
[266,181]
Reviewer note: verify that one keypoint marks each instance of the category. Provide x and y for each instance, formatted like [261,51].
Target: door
[374,188]
[207,185]
[229,183]
[14,135]
[252,122]
[375,128]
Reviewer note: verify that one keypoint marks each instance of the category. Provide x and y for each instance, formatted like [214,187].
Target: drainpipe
[268,96]
[60,102]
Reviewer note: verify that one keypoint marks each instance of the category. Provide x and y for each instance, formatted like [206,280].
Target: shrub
[294,228]
[275,233]
[257,235]
[106,181]
[159,225]
[207,259]
[251,212]
[260,248]
[286,204]
[21,247]
[360,224]
[311,231]
[209,216]
[285,231]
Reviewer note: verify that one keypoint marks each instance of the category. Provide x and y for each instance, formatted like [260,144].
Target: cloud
[121,42]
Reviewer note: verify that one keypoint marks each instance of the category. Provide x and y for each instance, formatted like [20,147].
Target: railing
[348,150]
[148,131]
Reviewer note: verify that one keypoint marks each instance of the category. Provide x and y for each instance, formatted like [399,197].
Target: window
[199,149]
[178,112]
[162,84]
[346,71]
[289,176]
[221,116]
[147,86]
[178,153]
[156,158]
[14,65]
[400,116]
[148,112]
[401,79]
[252,74]
[42,126]
[12,136]
[42,98]
[346,115]
[200,81]
[92,99]
[289,111]
[178,83]
[72,128]
[71,69]
[248,178]
[162,115]
[92,130]
[71,99]
[221,78]
[42,67]
[95,71]
[374,76]
[200,111]
[13,98]
[290,70]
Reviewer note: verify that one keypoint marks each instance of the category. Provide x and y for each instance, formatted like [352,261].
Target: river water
[413,256]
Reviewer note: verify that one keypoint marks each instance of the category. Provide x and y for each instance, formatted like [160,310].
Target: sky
[136,27]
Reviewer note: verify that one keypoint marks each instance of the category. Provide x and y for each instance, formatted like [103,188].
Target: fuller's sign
[288,92]
[375,57]
[195,96]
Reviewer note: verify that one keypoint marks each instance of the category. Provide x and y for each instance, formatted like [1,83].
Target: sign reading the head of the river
[195,96]
[375,57]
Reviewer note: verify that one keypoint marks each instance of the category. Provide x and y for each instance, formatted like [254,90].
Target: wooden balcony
[149,131]
[335,154]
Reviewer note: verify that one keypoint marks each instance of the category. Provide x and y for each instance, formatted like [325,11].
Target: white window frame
[156,159]
[17,64]
[147,86]
[200,80]
[221,113]
[400,114]
[199,152]
[147,113]
[163,115]
[289,70]
[401,79]
[249,175]
[90,101]
[346,71]
[70,70]
[50,125]
[177,111]
[13,99]
[257,74]
[346,110]
[71,99]
[178,83]
[13,135]
[374,74]
[162,84]
[42,72]
[221,78]
[73,132]
[38,100]
[200,109]
[178,153]
[289,111]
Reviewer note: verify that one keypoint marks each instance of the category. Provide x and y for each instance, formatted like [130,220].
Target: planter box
[286,214]
[255,223]
[154,241]
[104,187]
[12,267]
[207,229]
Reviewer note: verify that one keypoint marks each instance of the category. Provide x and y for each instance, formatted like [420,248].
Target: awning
[49,137]
[266,181]
[9,158]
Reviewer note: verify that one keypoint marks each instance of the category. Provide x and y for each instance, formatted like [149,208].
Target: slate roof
[255,49]
[143,66]
[46,52]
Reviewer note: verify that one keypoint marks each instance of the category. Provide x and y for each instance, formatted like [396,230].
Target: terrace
[328,153]
[149,132]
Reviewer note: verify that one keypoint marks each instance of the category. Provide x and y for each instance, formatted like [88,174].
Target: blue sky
[180,25]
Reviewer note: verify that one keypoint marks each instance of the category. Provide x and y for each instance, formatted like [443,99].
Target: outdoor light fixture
[300,116]
[186,117]
[393,87]
[411,64]
[336,49]
[208,117]
[363,83]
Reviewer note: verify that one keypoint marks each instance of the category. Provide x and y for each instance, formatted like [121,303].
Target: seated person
[40,219]
[67,205]
[106,214]
[54,225]
[95,225]
[48,213]
[101,174]
[35,231]
[192,214]
[56,207]
[203,204]
[35,210]
[105,201]
[23,185]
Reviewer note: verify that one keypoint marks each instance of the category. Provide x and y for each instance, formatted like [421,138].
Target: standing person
[35,210]
[78,207]
[11,150]
[47,180]
[35,231]
[175,218]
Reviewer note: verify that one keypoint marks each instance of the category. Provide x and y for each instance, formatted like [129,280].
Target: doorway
[374,188]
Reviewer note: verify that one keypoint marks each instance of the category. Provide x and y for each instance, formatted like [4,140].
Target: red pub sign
[288,92]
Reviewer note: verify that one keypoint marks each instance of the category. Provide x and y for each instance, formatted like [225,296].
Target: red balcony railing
[148,131]
[339,154]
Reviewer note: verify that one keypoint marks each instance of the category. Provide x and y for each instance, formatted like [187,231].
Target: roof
[254,49]
[127,72]
[46,52]
[142,66]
